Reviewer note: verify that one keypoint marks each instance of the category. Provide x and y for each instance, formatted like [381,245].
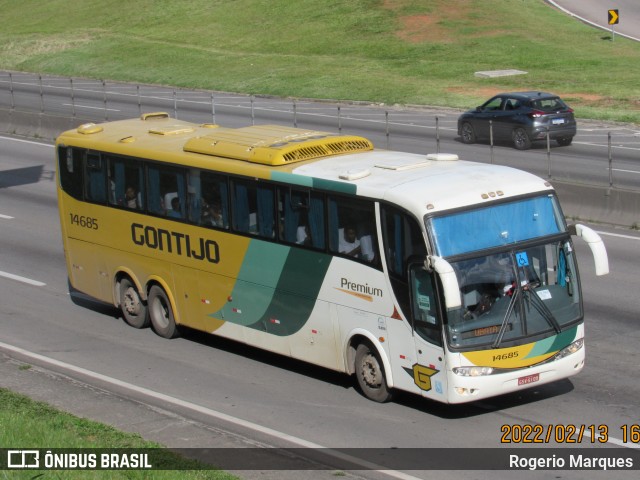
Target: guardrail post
[213,110]
[548,155]
[175,104]
[253,114]
[104,99]
[41,94]
[386,127]
[295,114]
[339,120]
[437,135]
[73,99]
[139,100]
[610,159]
[491,139]
[13,103]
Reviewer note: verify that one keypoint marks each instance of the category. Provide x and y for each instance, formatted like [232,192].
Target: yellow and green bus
[450,279]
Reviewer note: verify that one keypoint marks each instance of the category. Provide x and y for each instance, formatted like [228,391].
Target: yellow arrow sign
[613,17]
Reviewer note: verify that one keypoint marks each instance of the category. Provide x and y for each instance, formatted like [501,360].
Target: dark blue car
[519,117]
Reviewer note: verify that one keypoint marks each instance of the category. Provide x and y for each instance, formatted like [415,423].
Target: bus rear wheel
[133,307]
[370,374]
[161,313]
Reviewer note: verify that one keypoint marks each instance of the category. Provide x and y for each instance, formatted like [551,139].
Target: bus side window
[70,168]
[253,208]
[352,229]
[214,200]
[167,192]
[96,178]
[126,183]
[301,217]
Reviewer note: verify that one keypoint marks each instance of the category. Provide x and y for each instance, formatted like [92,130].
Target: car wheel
[467,133]
[521,139]
[564,141]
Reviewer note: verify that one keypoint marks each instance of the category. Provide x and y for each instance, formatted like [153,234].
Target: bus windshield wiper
[507,315]
[541,307]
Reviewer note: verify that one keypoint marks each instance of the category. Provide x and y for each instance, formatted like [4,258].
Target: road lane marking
[630,237]
[91,108]
[26,141]
[206,411]
[21,279]
[6,217]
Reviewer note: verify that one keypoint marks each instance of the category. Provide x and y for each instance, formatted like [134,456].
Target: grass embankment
[29,424]
[390,51]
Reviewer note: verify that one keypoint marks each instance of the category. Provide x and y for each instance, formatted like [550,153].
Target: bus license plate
[529,379]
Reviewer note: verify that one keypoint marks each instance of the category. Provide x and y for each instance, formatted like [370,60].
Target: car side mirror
[478,109]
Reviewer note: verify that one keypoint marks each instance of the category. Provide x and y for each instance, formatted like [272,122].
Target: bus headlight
[472,371]
[573,348]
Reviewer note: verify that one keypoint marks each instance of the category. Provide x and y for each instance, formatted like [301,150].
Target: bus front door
[429,372]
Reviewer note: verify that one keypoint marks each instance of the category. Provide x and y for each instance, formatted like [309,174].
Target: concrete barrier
[37,125]
[588,203]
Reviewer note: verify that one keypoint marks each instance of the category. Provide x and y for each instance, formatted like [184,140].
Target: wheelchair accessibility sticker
[522,259]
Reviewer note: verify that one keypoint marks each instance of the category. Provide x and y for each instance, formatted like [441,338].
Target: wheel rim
[160,312]
[370,371]
[132,302]
[520,138]
[467,133]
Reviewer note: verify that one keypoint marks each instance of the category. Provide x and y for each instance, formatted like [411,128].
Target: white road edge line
[21,140]
[630,237]
[206,411]
[21,279]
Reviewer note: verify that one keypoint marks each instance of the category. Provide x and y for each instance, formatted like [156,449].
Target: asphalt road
[233,390]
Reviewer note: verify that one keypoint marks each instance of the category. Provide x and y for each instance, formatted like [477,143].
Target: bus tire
[161,313]
[370,374]
[133,308]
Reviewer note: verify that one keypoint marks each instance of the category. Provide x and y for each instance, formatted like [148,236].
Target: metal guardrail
[204,107]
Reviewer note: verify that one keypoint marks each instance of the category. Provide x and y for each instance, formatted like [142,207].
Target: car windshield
[549,104]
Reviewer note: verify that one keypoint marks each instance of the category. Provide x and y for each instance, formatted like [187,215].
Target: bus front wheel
[133,308]
[370,374]
[161,313]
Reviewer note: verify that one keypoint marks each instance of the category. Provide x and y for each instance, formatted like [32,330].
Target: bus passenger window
[214,200]
[301,217]
[70,168]
[253,208]
[167,192]
[96,178]
[126,183]
[352,230]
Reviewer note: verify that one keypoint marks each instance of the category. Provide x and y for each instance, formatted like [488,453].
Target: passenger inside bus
[174,211]
[348,242]
[213,216]
[131,198]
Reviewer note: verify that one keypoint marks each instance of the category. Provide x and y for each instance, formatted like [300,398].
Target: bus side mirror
[595,244]
[448,279]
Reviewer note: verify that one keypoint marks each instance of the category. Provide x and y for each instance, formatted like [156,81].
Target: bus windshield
[510,290]
[496,225]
